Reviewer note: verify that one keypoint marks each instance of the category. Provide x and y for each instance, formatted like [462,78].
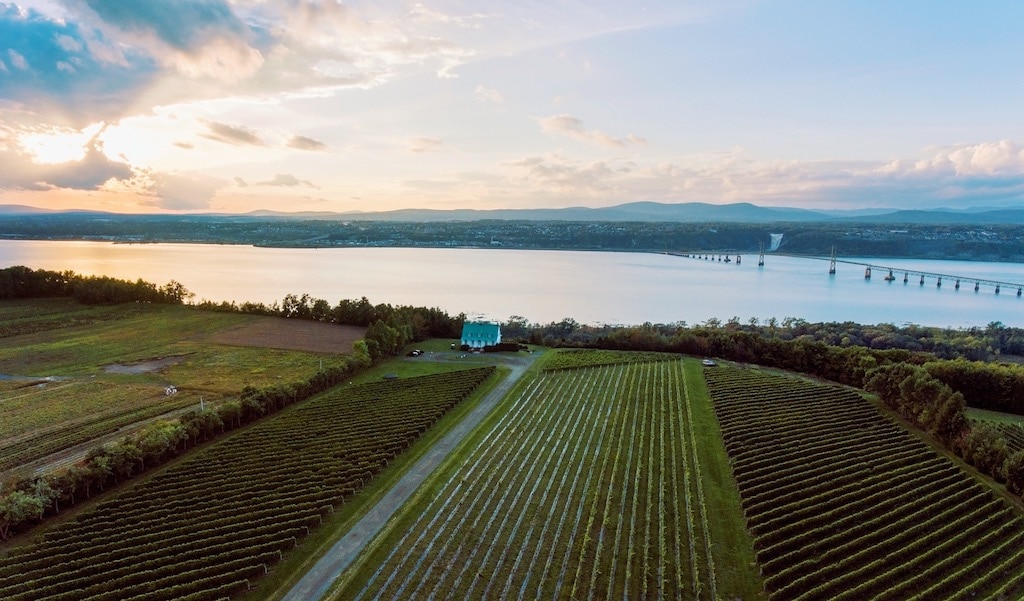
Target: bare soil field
[291,334]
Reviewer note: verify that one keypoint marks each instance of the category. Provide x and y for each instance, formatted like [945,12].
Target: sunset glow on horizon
[319,105]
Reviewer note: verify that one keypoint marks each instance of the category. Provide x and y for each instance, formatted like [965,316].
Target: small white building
[478,334]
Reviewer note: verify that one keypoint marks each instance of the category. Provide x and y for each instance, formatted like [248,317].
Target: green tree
[1013,471]
[17,508]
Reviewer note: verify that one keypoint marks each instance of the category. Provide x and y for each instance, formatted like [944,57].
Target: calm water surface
[545,286]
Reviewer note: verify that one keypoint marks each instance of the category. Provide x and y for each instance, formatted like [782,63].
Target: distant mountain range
[692,212]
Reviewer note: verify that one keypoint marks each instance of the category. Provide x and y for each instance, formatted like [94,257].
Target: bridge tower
[760,258]
[832,263]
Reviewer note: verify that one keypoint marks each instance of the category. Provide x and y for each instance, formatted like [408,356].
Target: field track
[846,505]
[589,487]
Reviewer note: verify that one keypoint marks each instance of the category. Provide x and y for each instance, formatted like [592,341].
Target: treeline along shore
[927,375]
[966,240]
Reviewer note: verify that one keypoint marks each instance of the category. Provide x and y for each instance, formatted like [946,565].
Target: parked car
[708,363]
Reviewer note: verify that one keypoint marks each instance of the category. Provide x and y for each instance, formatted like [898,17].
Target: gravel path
[314,585]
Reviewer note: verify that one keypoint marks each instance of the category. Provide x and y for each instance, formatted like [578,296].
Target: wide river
[547,286]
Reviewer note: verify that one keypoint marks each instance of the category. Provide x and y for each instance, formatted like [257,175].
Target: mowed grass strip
[594,482]
[212,522]
[845,504]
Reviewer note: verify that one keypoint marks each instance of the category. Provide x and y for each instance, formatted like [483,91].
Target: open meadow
[79,373]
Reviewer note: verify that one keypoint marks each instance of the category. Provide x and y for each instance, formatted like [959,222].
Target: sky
[232,106]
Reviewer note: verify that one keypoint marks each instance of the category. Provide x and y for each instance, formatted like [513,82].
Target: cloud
[567,125]
[50,68]
[422,145]
[987,158]
[556,173]
[985,174]
[304,143]
[91,172]
[232,134]
[468,21]
[285,180]
[489,95]
[94,60]
[195,37]
[183,191]
[17,60]
[68,43]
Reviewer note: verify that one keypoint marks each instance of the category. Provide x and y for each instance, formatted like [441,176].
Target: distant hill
[635,211]
[690,212]
[27,210]
[643,211]
[21,210]
[938,217]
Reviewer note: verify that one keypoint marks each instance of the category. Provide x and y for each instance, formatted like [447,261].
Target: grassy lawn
[994,416]
[734,548]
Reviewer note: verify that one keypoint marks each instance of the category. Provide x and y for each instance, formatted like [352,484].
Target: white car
[708,363]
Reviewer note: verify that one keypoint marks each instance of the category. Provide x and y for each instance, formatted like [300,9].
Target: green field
[592,482]
[845,504]
[70,397]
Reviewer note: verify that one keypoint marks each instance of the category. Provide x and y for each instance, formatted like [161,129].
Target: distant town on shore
[979,235]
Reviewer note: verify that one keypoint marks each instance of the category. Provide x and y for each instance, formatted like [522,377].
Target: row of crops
[206,526]
[41,421]
[844,504]
[573,358]
[588,487]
